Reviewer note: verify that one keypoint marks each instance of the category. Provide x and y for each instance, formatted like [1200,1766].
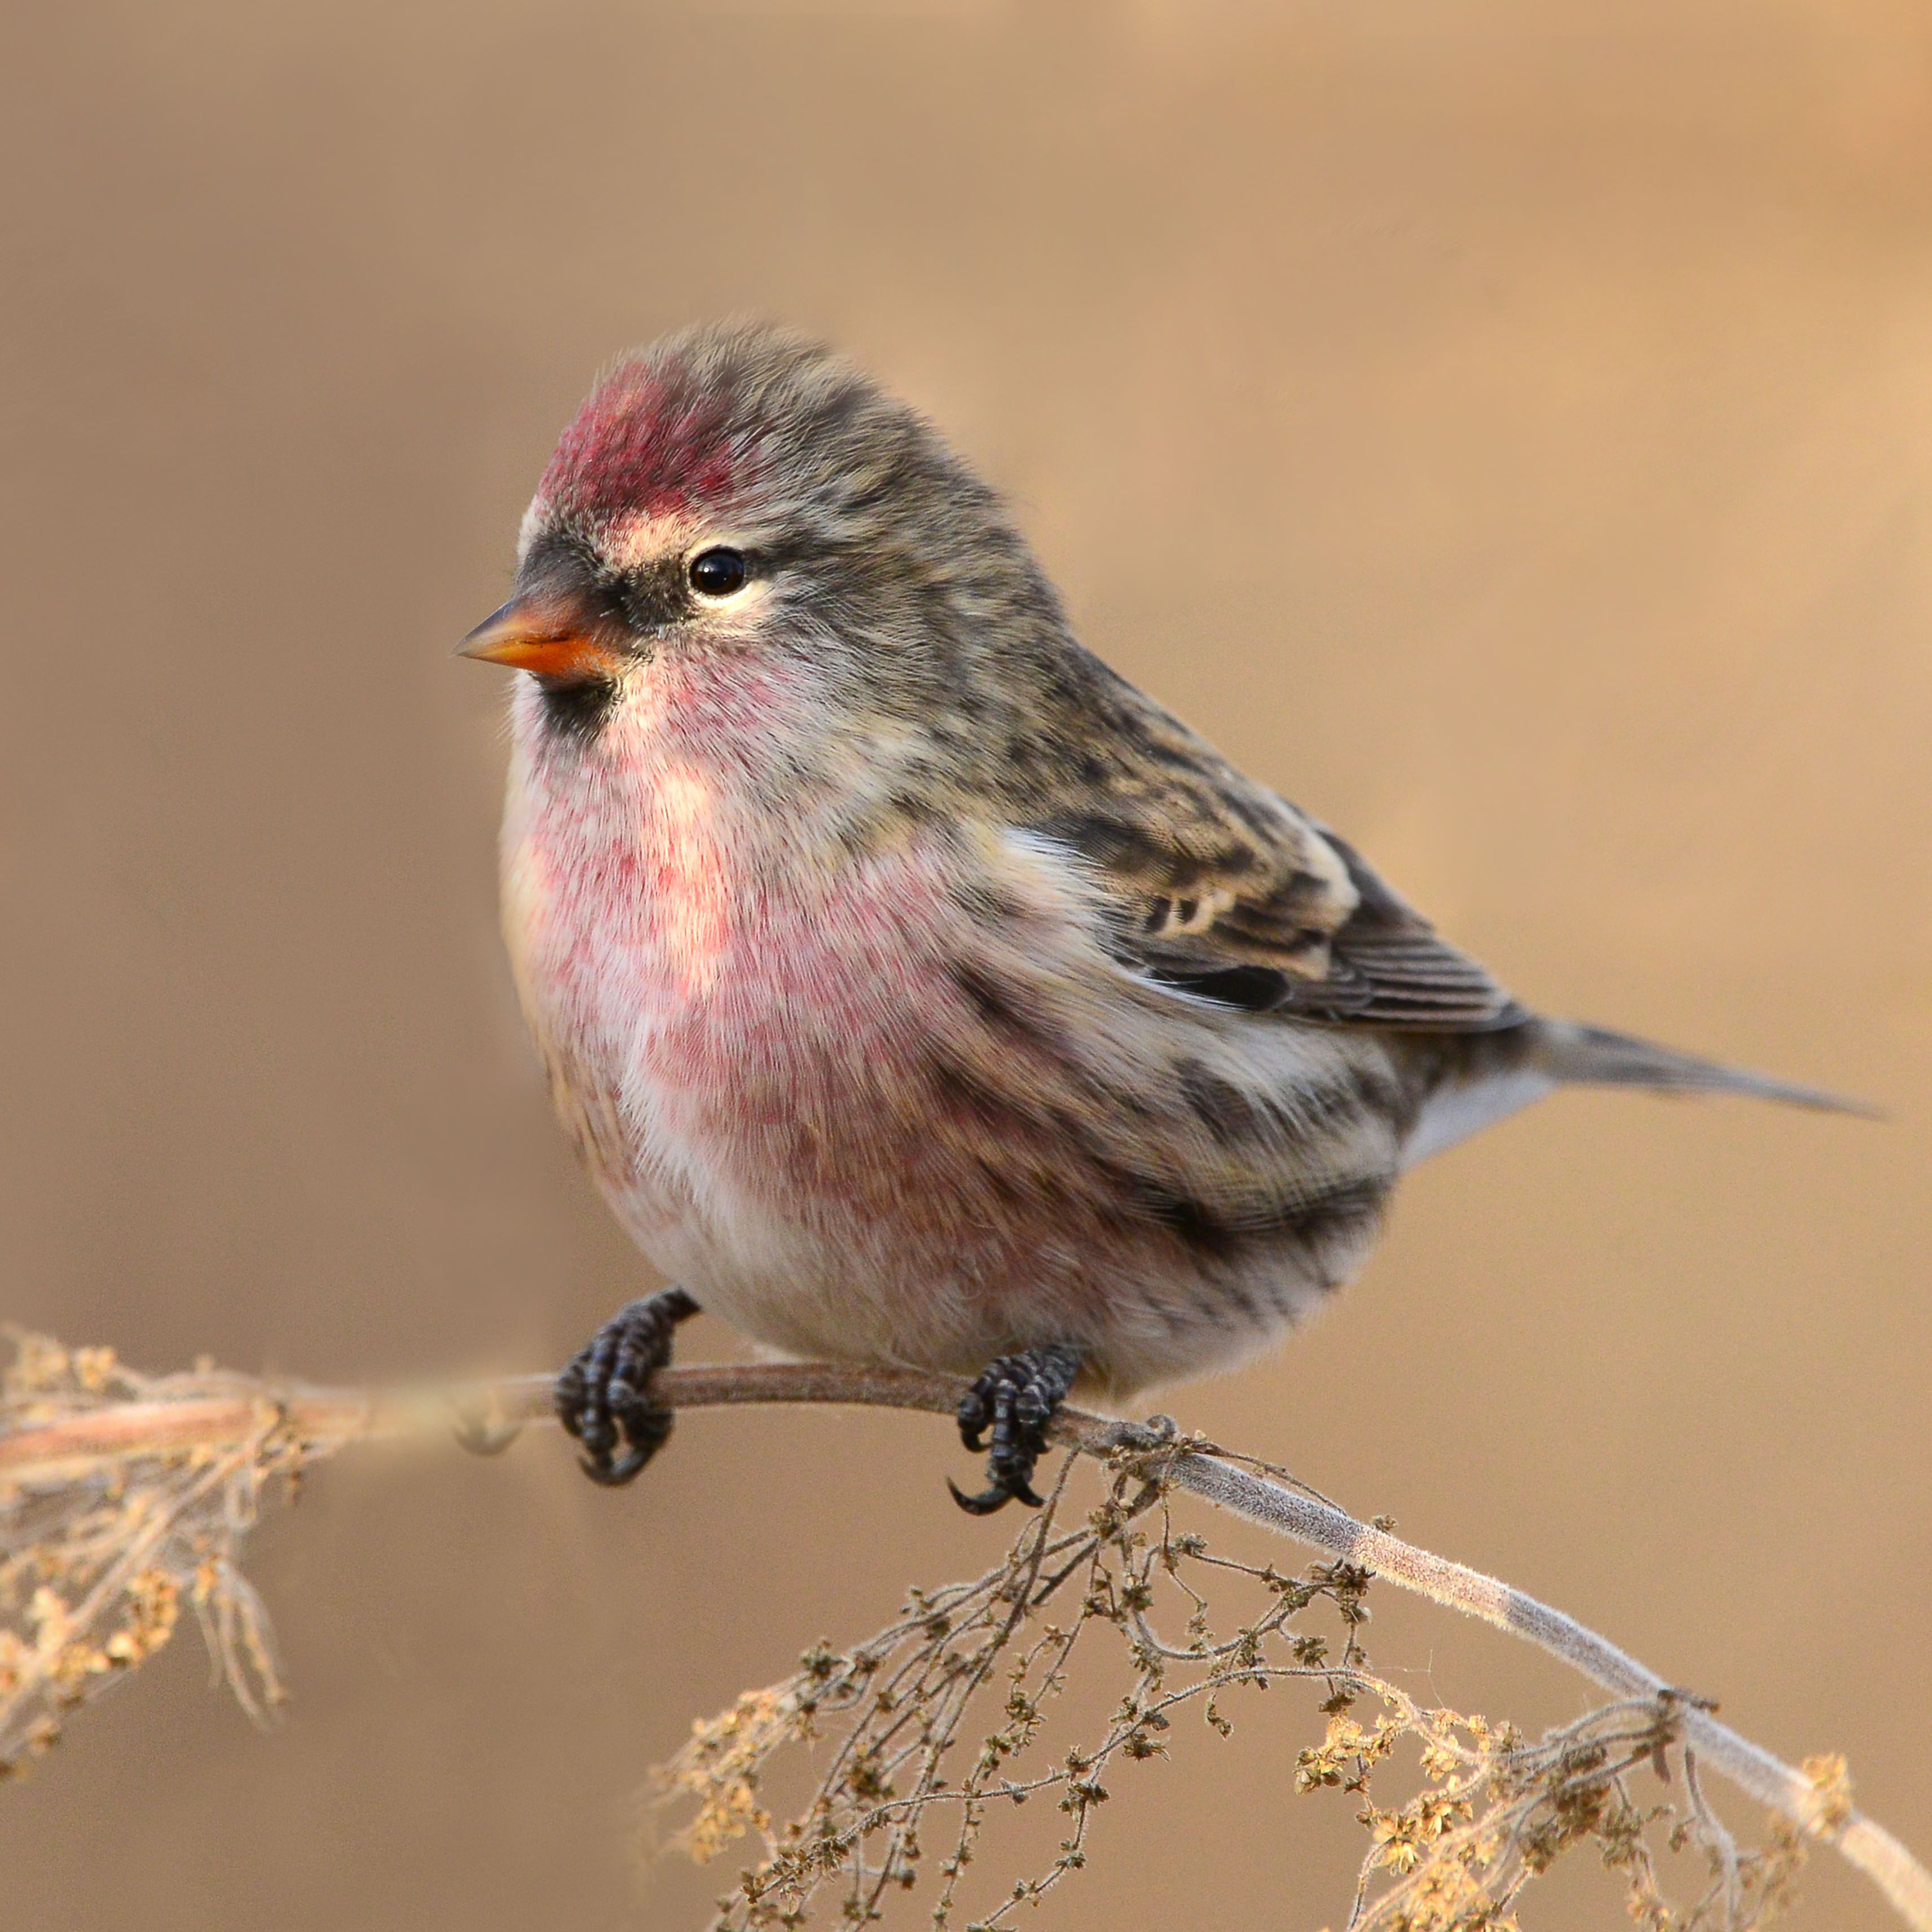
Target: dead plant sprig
[932,1729]
[123,1495]
[96,1565]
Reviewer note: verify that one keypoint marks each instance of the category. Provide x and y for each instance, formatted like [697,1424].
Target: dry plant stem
[327,1417]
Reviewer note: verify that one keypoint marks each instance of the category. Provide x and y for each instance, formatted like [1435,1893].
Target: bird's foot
[605,1396]
[1016,1398]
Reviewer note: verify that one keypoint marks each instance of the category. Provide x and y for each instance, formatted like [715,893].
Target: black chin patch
[575,708]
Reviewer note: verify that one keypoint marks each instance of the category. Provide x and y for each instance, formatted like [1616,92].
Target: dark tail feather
[1594,1057]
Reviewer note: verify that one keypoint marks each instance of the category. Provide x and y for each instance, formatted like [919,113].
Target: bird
[917,991]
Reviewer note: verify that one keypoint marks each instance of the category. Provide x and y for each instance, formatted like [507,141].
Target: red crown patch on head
[644,440]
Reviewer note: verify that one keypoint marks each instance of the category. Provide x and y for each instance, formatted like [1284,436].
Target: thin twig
[325,1418]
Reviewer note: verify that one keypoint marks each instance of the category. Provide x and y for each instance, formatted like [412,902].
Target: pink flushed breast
[728,986]
[748,997]
[748,1062]
[854,1116]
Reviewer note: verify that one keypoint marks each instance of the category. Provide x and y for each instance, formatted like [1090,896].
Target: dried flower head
[98,1560]
[944,1720]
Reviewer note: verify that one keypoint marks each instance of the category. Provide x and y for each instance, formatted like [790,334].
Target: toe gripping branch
[604,1395]
[1017,1397]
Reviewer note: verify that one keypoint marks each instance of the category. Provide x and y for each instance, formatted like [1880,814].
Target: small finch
[917,991]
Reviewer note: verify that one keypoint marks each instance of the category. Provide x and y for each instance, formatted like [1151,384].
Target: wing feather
[1213,884]
[1281,916]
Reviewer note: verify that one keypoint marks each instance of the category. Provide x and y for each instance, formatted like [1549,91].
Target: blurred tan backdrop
[1506,428]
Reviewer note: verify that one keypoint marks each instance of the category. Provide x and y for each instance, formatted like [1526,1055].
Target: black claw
[1017,1398]
[604,1396]
[973,1416]
[984,1504]
[614,1475]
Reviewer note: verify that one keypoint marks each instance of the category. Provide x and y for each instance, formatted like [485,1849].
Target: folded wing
[1242,899]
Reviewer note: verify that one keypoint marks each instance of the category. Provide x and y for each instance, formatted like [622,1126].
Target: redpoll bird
[917,991]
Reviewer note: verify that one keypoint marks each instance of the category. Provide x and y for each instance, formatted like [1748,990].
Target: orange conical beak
[554,636]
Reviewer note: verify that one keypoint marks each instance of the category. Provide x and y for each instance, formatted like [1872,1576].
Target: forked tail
[1592,1056]
[1506,1070]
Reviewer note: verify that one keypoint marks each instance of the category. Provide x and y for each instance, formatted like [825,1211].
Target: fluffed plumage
[917,990]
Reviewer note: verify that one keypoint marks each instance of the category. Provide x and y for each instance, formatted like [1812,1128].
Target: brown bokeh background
[1506,428]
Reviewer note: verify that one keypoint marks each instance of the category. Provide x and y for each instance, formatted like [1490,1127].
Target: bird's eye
[718,572]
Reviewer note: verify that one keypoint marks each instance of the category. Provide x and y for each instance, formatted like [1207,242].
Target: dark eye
[717,573]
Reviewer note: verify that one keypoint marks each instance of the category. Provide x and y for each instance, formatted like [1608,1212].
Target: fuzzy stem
[324,1419]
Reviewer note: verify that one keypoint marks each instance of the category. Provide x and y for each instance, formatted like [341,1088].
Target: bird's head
[739,491]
